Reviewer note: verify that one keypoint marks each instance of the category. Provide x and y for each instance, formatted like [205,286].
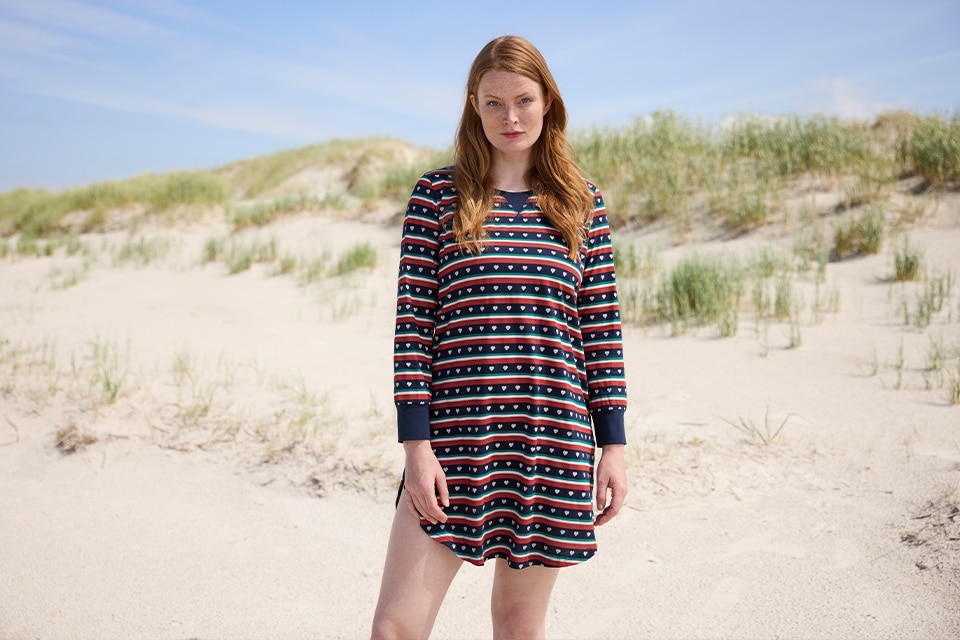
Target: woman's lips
[512,134]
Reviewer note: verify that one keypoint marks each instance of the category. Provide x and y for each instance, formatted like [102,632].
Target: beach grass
[907,262]
[664,168]
[362,255]
[142,250]
[763,432]
[39,213]
[859,236]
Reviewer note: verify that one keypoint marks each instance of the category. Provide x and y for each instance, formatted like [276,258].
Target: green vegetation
[39,213]
[716,290]
[358,165]
[141,251]
[859,236]
[929,147]
[932,298]
[359,256]
[765,433]
[701,290]
[667,168]
[907,262]
[650,170]
[261,214]
[664,168]
[953,387]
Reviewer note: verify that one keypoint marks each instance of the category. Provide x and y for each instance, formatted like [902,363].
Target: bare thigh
[416,575]
[520,600]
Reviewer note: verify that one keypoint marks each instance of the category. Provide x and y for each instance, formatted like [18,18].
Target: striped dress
[510,361]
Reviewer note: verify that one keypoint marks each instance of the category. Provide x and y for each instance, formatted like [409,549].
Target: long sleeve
[599,310]
[416,309]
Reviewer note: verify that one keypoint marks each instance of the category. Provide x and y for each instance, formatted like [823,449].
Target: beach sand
[242,463]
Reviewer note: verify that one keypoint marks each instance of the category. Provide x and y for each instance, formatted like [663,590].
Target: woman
[508,359]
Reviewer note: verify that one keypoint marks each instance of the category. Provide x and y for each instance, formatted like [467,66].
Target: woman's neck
[509,173]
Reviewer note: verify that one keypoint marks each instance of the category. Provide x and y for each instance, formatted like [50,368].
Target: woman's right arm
[417,303]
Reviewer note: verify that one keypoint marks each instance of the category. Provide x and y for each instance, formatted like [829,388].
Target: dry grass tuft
[71,438]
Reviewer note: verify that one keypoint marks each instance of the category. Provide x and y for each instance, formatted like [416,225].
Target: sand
[240,478]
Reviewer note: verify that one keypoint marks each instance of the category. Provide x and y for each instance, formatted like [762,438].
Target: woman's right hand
[424,481]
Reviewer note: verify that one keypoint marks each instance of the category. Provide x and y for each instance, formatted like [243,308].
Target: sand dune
[241,475]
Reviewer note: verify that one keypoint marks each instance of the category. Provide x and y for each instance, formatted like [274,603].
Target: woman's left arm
[599,309]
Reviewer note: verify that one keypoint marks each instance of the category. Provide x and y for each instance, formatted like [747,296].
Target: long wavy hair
[562,192]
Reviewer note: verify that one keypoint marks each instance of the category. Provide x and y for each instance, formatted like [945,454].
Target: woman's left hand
[612,477]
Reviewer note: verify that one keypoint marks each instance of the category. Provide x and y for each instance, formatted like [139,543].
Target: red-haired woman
[508,359]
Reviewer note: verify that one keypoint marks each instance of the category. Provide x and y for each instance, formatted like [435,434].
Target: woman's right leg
[416,575]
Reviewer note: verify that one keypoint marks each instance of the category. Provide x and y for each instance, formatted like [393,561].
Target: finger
[604,518]
[442,492]
[425,501]
[431,510]
[601,493]
[410,505]
[616,503]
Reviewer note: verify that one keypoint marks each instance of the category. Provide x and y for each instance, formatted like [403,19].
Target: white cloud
[840,97]
[80,18]
[239,117]
[28,40]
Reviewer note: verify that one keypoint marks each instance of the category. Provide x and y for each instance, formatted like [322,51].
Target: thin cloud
[840,97]
[24,39]
[172,10]
[635,106]
[240,117]
[65,50]
[80,18]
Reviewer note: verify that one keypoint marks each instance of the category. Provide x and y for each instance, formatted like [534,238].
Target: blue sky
[93,90]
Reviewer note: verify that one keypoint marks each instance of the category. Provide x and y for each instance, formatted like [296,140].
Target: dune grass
[859,236]
[142,250]
[717,290]
[22,363]
[39,213]
[240,255]
[763,433]
[953,387]
[358,164]
[261,214]
[668,168]
[665,168]
[701,290]
[196,403]
[398,180]
[360,256]
[907,262]
[929,146]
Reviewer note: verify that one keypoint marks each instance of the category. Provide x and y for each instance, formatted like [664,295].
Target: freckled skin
[511,107]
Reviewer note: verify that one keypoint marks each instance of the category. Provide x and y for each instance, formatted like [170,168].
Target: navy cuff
[608,427]
[413,422]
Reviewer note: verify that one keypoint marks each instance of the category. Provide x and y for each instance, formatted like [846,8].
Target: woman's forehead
[498,82]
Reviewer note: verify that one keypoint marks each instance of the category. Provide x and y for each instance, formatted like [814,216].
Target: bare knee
[384,630]
[517,622]
[389,629]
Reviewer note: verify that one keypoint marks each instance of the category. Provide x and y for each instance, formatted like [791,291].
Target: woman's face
[511,107]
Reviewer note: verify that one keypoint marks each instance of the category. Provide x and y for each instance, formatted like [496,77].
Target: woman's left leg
[520,601]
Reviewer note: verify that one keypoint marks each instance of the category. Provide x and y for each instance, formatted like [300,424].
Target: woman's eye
[526,100]
[493,103]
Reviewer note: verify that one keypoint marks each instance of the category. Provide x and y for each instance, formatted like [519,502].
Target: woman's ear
[547,103]
[473,101]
